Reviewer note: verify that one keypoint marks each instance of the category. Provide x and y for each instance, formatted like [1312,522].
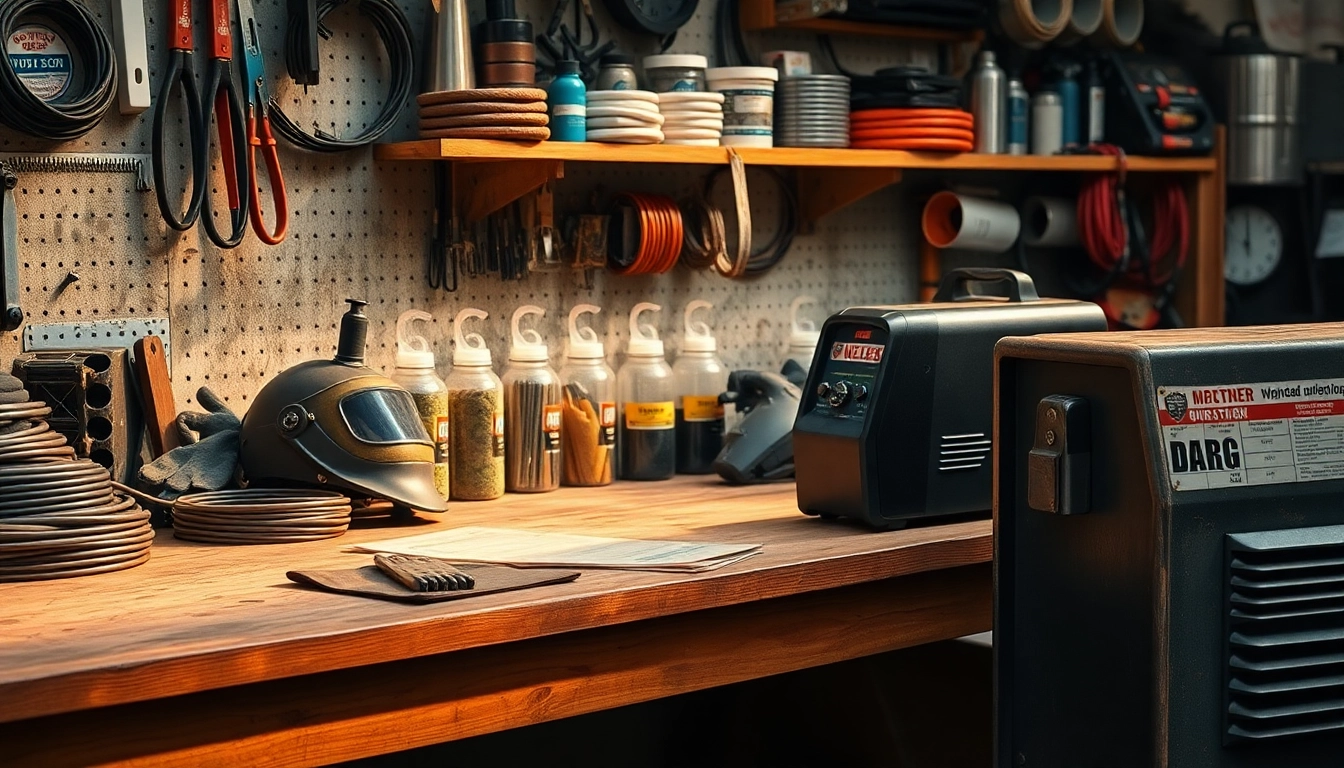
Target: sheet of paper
[506,546]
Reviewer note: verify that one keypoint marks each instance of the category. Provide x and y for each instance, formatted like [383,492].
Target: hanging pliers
[179,71]
[259,137]
[222,103]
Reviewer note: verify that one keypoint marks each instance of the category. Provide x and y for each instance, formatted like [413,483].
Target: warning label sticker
[1252,434]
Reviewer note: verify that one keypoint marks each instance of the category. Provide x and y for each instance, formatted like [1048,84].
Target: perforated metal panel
[363,229]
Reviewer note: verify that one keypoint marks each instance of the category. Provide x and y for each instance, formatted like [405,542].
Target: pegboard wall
[363,229]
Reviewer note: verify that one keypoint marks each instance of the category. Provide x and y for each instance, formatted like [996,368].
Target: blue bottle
[568,100]
[1067,87]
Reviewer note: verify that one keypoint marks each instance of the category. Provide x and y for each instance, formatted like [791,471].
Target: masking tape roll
[970,223]
[1121,23]
[1050,222]
[1084,19]
[1033,23]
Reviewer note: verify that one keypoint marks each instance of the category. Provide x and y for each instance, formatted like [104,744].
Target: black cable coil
[73,114]
[395,32]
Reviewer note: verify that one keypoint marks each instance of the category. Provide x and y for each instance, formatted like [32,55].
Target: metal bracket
[99,333]
[12,315]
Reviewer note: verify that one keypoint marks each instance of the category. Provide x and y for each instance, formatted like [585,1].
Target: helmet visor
[383,416]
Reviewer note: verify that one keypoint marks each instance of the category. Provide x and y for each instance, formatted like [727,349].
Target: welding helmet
[337,424]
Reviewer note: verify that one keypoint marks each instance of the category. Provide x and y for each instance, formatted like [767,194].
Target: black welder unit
[1169,549]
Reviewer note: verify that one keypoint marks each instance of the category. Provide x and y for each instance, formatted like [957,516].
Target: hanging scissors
[180,70]
[259,137]
[223,105]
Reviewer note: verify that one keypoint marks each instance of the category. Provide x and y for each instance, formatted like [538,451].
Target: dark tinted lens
[383,416]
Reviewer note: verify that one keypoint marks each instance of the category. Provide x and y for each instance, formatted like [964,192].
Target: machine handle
[954,286]
[1248,24]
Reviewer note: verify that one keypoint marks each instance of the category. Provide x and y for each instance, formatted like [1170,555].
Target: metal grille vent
[968,451]
[1285,633]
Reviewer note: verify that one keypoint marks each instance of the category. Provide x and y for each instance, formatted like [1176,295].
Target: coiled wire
[73,114]
[395,32]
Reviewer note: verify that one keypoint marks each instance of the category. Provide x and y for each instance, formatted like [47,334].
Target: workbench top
[200,617]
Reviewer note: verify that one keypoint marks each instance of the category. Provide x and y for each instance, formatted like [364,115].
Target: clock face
[1253,246]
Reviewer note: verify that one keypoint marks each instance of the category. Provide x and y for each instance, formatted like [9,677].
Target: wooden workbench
[208,655]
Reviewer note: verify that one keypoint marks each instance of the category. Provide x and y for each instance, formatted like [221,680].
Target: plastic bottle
[588,451]
[701,378]
[1094,105]
[803,336]
[1019,107]
[989,103]
[532,412]
[415,373]
[568,100]
[1066,85]
[646,392]
[475,417]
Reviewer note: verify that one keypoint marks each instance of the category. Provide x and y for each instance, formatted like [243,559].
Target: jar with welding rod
[588,447]
[475,416]
[533,411]
[700,378]
[415,373]
[646,392]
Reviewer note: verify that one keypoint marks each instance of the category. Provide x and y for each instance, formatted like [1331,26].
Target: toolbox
[1169,548]
[897,412]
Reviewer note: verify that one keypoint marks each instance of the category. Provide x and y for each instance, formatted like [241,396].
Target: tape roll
[1033,23]
[970,223]
[1050,222]
[1121,23]
[1084,19]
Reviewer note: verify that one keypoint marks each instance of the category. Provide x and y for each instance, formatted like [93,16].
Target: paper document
[506,546]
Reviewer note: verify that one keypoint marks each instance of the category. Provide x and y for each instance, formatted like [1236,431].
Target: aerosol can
[989,96]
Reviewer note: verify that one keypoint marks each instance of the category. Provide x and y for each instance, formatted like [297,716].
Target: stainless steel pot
[1261,93]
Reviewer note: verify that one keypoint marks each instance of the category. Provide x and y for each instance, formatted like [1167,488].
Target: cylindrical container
[617,73]
[1094,103]
[1033,23]
[970,223]
[588,450]
[450,65]
[1050,222]
[748,104]
[475,417]
[803,336]
[701,378]
[811,111]
[1070,104]
[1121,23]
[989,99]
[568,101]
[507,56]
[1261,90]
[415,374]
[533,412]
[675,72]
[1084,18]
[1047,124]
[1019,105]
[646,391]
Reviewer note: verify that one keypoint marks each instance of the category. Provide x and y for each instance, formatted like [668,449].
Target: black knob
[860,393]
[839,394]
[823,390]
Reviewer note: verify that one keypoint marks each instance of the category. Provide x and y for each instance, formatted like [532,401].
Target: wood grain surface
[319,719]
[201,617]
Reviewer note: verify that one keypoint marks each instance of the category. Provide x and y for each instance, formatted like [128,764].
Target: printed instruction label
[607,436]
[650,415]
[41,60]
[1252,434]
[701,408]
[550,426]
[499,435]
[443,437]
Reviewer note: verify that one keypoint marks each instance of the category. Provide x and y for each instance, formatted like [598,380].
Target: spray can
[989,96]
[1095,103]
[1047,121]
[1018,107]
[1067,88]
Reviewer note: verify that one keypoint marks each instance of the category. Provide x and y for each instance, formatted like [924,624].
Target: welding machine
[895,418]
[1153,107]
[1169,549]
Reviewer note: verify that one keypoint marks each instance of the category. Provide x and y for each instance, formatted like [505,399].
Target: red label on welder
[857,353]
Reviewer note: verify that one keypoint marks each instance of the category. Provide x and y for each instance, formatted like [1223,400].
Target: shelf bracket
[481,188]
[824,190]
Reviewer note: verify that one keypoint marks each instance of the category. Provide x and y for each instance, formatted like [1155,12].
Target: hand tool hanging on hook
[179,71]
[223,104]
[259,137]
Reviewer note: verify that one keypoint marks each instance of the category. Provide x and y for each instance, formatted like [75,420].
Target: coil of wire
[260,516]
[60,516]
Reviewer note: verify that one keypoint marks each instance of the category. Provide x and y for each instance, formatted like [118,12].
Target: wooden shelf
[477,150]
[759,15]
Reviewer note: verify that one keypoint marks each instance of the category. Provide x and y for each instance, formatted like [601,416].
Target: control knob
[839,394]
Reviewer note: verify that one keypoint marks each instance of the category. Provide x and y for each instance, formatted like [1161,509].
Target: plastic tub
[675,72]
[748,104]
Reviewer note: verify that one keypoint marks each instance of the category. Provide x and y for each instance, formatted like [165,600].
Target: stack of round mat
[60,516]
[693,118]
[260,516]
[624,117]
[812,111]
[928,129]
[517,114]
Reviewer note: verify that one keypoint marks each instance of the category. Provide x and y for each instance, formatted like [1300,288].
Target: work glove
[11,390]
[208,456]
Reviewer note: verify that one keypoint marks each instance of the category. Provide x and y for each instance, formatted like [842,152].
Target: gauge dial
[1253,246]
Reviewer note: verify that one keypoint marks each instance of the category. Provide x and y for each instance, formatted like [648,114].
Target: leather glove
[208,456]
[11,390]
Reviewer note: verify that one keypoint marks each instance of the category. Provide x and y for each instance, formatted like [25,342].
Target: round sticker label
[41,60]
